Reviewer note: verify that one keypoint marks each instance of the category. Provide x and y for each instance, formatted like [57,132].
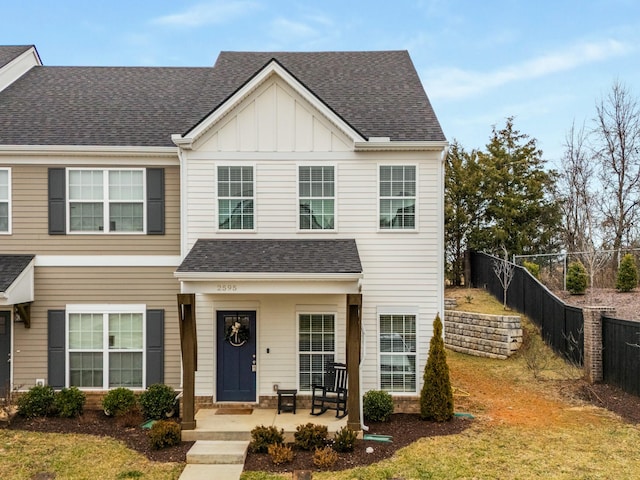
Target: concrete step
[206,434]
[209,472]
[216,452]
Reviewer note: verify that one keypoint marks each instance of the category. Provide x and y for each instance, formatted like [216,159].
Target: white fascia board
[22,289]
[17,67]
[108,260]
[267,277]
[400,146]
[88,150]
[187,141]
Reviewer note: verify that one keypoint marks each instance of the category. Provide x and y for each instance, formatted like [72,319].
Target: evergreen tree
[627,274]
[576,278]
[436,397]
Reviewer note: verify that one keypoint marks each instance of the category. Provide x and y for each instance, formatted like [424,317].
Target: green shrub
[576,278]
[345,440]
[310,436]
[533,268]
[262,437]
[37,402]
[377,406]
[280,453]
[436,397]
[118,401]
[627,278]
[157,401]
[164,433]
[69,402]
[325,457]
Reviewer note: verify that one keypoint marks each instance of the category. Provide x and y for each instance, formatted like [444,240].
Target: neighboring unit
[282,189]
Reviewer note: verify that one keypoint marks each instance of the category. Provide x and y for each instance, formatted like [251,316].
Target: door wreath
[237,334]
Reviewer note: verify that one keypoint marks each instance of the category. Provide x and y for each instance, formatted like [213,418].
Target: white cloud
[281,27]
[207,14]
[453,83]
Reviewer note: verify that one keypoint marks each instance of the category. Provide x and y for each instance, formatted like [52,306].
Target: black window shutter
[155,201]
[56,355]
[155,346]
[57,201]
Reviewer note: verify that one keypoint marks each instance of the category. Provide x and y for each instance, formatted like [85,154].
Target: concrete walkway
[222,441]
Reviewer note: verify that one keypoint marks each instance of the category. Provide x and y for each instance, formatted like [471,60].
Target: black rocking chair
[333,394]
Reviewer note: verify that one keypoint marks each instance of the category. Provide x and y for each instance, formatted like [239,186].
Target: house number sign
[227,287]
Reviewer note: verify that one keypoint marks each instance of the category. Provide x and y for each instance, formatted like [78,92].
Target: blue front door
[236,357]
[5,353]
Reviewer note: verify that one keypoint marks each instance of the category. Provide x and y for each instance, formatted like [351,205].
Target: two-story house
[273,186]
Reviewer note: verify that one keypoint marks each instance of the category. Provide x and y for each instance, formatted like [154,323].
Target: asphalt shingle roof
[9,52]
[11,266]
[272,256]
[378,93]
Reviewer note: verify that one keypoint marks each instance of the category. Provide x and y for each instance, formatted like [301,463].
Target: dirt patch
[627,304]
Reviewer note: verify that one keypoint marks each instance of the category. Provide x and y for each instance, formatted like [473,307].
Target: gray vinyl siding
[56,287]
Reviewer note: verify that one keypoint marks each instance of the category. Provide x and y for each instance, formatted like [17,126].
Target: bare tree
[504,270]
[616,139]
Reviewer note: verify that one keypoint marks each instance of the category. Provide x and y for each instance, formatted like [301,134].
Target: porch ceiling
[16,279]
[271,266]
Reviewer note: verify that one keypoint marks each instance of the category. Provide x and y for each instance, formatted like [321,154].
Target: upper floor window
[235,198]
[317,198]
[398,197]
[5,199]
[106,200]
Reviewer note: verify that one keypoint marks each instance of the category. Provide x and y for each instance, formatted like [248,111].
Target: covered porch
[254,299]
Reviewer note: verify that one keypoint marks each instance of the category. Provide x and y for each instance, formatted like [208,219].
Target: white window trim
[106,201]
[9,207]
[416,228]
[105,309]
[335,198]
[398,310]
[298,352]
[217,198]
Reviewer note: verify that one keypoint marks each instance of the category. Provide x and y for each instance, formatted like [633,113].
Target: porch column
[189,347]
[354,327]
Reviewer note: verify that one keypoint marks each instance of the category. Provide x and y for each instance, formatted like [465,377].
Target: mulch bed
[403,428]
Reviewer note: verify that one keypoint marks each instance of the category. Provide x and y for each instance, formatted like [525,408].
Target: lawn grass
[23,455]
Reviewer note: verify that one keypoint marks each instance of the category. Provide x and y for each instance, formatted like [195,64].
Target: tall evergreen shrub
[576,278]
[627,274]
[436,397]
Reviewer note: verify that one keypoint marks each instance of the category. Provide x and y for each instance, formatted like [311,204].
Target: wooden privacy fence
[609,348]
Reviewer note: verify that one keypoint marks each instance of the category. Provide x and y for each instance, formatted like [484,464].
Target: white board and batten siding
[275,130]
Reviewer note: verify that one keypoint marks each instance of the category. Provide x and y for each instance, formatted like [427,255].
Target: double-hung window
[235,198]
[316,347]
[398,197]
[106,201]
[317,197]
[106,346]
[5,200]
[398,352]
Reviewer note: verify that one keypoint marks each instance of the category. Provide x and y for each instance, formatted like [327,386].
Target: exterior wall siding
[30,220]
[56,287]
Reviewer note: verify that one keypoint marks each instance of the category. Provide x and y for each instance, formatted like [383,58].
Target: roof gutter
[82,150]
[384,144]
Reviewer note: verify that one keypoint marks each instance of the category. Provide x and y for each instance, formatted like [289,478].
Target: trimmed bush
[37,402]
[310,436]
[377,406]
[118,401]
[576,278]
[280,454]
[157,401]
[164,433]
[69,402]
[345,440]
[533,268]
[627,278]
[436,397]
[262,437]
[325,457]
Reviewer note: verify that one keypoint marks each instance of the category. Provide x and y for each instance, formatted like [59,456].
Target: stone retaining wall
[493,336]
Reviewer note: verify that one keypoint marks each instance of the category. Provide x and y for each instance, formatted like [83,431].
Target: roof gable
[269,102]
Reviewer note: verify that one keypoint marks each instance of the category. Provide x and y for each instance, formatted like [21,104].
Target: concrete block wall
[492,336]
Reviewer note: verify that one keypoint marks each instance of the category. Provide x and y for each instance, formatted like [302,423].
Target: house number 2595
[227,287]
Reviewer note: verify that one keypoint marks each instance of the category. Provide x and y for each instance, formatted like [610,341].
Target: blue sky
[544,62]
